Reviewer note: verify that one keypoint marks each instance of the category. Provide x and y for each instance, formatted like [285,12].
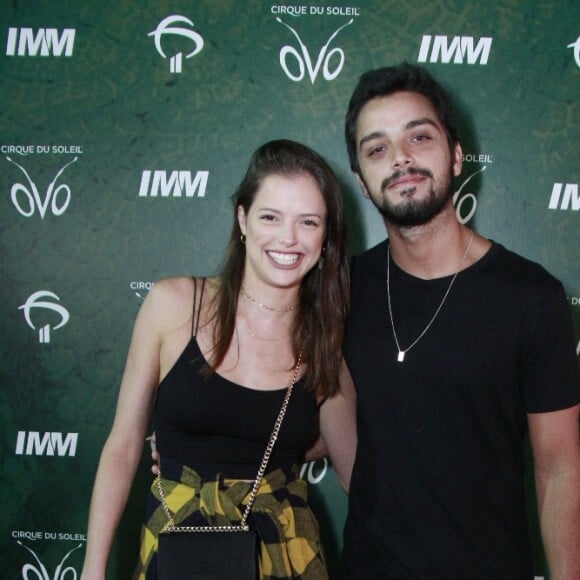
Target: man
[456,347]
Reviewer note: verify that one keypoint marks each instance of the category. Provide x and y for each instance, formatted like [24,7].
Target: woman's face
[285,229]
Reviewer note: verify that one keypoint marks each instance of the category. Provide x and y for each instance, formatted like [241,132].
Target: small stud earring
[243,238]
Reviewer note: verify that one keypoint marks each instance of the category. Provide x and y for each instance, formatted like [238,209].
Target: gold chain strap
[243,526]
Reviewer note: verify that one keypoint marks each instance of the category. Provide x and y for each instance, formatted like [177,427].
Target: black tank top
[216,426]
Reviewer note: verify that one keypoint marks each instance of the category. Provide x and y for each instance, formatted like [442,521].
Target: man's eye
[376,151]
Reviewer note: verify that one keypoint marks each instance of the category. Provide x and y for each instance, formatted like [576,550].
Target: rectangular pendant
[401,356]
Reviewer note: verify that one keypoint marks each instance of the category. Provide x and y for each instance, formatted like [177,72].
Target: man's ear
[363,186]
[457,162]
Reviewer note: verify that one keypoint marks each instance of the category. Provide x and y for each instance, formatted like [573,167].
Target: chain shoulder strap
[242,526]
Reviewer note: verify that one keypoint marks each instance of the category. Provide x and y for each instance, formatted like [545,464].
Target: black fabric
[217,426]
[208,556]
[438,484]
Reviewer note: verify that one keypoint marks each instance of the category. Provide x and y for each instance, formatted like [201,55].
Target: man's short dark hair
[387,80]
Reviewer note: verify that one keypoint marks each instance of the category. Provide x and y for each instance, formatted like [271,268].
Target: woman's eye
[268,217]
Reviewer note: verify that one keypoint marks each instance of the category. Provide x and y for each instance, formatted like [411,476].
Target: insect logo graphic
[469,198]
[29,199]
[39,571]
[305,61]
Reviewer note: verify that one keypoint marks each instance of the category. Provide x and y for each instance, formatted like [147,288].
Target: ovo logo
[58,198]
[304,60]
[466,212]
[166,26]
[40,572]
[35,302]
[315,471]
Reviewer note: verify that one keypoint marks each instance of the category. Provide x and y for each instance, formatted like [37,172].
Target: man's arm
[338,428]
[555,439]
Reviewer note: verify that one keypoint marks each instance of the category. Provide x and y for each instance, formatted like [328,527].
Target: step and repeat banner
[124,128]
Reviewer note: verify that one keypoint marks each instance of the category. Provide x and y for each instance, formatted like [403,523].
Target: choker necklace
[266,307]
[252,334]
[401,353]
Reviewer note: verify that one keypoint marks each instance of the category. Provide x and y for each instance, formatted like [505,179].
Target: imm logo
[167,26]
[175,183]
[565,197]
[50,444]
[42,42]
[458,49]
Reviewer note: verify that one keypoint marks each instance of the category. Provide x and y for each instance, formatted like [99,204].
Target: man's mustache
[388,181]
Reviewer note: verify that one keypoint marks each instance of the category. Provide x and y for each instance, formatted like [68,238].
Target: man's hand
[154,454]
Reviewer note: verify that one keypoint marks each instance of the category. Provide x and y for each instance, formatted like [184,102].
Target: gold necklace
[400,352]
[252,334]
[266,307]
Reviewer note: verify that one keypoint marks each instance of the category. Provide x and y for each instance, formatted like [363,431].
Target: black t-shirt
[437,488]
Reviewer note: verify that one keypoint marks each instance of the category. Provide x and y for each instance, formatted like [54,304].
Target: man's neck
[432,250]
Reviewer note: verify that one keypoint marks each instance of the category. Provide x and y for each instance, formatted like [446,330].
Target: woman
[213,358]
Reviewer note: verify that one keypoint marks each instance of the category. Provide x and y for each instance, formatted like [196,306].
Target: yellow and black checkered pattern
[289,537]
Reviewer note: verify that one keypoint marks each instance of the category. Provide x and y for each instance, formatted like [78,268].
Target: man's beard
[411,212]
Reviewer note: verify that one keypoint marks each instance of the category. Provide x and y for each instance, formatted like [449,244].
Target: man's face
[406,166]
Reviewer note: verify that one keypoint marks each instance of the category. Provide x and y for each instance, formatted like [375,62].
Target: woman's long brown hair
[324,293]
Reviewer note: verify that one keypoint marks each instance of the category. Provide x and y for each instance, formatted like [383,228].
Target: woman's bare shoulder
[175,296]
[169,303]
[184,285]
[172,291]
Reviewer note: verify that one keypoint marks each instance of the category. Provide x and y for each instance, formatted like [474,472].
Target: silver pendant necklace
[402,352]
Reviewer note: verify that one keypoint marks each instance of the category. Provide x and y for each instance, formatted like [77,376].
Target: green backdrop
[124,128]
